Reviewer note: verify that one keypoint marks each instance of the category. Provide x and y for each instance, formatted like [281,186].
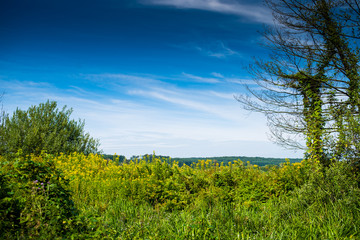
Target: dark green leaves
[45,128]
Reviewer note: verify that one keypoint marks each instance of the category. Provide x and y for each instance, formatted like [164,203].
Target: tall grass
[156,199]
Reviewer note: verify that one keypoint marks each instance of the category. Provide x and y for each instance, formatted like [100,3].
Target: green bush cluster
[164,184]
[80,197]
[35,200]
[158,200]
[44,128]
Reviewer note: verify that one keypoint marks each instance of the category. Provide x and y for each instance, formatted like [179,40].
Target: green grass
[155,199]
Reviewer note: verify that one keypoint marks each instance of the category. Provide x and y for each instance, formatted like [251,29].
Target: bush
[9,208]
[156,199]
[34,199]
[44,127]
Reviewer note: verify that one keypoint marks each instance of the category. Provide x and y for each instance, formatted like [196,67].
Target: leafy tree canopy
[45,128]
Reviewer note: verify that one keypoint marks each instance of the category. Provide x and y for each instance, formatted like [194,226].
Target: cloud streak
[214,110]
[200,79]
[251,12]
[218,50]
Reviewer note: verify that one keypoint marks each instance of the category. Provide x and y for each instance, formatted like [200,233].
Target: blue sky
[146,75]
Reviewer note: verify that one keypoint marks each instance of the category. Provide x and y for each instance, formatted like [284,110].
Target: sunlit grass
[156,199]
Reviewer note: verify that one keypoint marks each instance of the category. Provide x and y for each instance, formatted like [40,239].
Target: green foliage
[154,198]
[309,87]
[34,198]
[345,145]
[260,161]
[118,159]
[326,207]
[44,127]
[9,207]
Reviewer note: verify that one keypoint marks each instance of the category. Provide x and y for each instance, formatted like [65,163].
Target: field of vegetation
[77,196]
[56,184]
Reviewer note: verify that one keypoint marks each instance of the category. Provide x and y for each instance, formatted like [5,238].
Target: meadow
[79,196]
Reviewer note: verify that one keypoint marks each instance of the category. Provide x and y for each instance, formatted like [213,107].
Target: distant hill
[260,161]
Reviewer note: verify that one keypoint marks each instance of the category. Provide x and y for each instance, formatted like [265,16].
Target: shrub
[44,127]
[9,208]
[34,199]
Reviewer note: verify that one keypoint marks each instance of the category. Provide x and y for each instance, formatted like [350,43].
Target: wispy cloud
[218,75]
[16,84]
[170,118]
[228,96]
[254,13]
[211,101]
[200,79]
[217,49]
[240,81]
[121,79]
[200,105]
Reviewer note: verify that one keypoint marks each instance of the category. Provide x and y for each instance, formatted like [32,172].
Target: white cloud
[251,12]
[228,96]
[217,49]
[200,79]
[240,81]
[169,119]
[209,107]
[117,79]
[218,75]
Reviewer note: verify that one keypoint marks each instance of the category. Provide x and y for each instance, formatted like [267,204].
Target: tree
[312,76]
[2,112]
[2,122]
[45,127]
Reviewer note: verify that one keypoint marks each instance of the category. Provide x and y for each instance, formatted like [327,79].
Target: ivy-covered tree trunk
[313,116]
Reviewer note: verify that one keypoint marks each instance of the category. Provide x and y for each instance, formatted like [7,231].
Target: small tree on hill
[45,127]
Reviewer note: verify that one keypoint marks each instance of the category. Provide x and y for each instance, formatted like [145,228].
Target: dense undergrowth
[80,197]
